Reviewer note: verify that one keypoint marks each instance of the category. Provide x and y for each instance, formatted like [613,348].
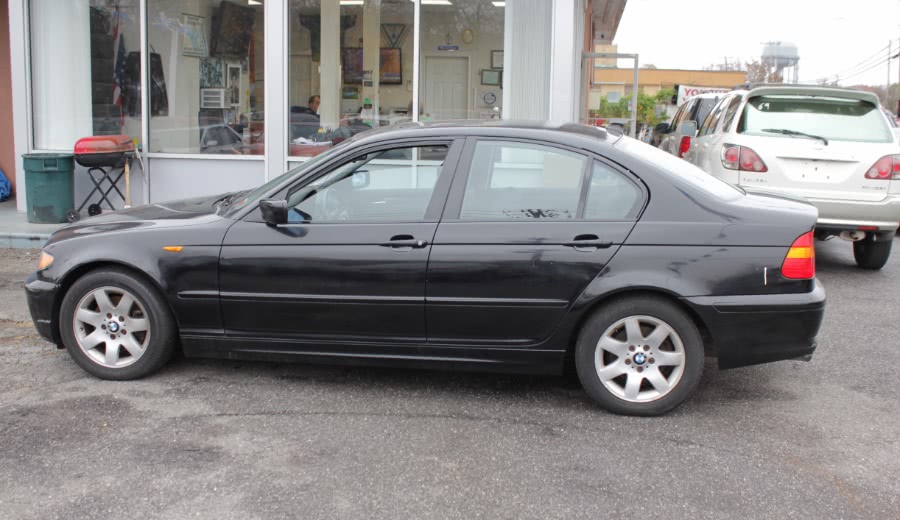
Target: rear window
[833,118]
[681,170]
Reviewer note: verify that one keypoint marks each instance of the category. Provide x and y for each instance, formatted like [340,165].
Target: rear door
[853,136]
[527,226]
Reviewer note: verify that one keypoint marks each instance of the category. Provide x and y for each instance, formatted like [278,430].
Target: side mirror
[211,142]
[360,179]
[662,128]
[274,211]
[688,128]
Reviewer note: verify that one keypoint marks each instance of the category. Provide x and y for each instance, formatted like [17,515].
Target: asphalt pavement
[224,439]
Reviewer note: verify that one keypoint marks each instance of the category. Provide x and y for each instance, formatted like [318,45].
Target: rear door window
[522,181]
[733,103]
[611,196]
[704,108]
[712,119]
[834,118]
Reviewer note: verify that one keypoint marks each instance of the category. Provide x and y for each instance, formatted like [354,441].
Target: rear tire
[116,325]
[870,254]
[639,356]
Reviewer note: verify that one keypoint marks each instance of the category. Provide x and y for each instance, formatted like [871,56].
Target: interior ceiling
[607,14]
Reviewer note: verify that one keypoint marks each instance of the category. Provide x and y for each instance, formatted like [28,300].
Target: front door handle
[404,243]
[588,243]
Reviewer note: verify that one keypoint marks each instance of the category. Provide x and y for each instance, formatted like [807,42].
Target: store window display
[357,60]
[206,93]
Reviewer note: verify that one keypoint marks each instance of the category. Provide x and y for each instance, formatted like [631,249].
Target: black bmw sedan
[482,246]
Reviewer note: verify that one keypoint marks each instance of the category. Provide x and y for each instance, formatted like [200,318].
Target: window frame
[453,207]
[712,119]
[734,102]
[435,206]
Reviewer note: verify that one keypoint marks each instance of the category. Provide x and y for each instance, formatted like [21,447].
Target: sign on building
[686,92]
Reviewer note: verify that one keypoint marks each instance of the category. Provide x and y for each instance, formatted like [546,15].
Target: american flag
[119,74]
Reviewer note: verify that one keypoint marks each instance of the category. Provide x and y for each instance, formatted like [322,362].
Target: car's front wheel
[116,325]
[639,356]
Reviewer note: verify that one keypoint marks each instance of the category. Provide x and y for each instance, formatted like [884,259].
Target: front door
[350,264]
[446,87]
[526,229]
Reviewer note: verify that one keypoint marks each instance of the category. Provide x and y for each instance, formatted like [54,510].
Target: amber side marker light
[800,261]
[45,261]
[173,249]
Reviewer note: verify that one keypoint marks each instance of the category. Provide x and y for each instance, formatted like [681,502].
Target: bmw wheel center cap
[113,327]
[640,358]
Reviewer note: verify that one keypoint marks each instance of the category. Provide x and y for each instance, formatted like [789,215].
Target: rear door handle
[588,243]
[404,242]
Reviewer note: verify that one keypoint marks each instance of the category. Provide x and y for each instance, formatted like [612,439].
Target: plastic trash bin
[49,186]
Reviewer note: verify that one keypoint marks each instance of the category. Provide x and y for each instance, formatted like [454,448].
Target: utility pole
[887,87]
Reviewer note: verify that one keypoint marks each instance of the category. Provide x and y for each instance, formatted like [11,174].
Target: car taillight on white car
[684,146]
[887,168]
[741,158]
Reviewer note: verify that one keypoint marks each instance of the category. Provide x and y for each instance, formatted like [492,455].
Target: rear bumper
[840,215]
[41,295]
[749,330]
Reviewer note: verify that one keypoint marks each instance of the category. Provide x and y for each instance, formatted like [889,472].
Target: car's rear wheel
[116,325]
[639,356]
[872,254]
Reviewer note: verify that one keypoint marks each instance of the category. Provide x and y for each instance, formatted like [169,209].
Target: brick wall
[8,160]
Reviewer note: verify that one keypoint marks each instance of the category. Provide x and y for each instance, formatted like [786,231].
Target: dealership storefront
[224,94]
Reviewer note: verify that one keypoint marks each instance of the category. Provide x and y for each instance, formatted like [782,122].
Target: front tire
[639,356]
[116,325]
[870,254]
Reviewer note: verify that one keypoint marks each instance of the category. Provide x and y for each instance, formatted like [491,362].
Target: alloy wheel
[640,359]
[111,327]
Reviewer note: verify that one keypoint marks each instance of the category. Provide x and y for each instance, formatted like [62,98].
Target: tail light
[742,158]
[800,261]
[684,146]
[887,168]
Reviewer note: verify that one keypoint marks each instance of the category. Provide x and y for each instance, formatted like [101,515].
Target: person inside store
[305,120]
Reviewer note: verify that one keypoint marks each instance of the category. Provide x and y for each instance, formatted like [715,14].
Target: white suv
[829,146]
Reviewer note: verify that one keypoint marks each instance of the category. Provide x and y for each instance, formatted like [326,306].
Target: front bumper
[850,215]
[749,330]
[41,296]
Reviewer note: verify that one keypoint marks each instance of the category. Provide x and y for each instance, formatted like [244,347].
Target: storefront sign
[686,92]
[448,47]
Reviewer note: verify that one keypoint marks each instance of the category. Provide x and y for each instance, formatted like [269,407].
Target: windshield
[838,119]
[297,172]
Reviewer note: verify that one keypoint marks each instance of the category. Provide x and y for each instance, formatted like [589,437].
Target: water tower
[780,56]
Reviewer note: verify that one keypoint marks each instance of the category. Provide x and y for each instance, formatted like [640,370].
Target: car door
[672,138]
[527,226]
[350,263]
[699,151]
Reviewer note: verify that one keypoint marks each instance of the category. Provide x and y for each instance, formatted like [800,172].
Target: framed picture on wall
[496,59]
[194,37]
[391,67]
[390,70]
[491,77]
[233,85]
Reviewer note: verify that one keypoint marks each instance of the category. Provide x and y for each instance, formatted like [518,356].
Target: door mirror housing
[688,128]
[662,128]
[274,211]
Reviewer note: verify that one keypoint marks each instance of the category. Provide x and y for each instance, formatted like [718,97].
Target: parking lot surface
[223,439]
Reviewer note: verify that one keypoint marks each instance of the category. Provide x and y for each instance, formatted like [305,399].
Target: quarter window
[611,196]
[516,181]
[733,105]
[392,185]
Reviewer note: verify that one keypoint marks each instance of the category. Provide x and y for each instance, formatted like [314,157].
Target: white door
[446,87]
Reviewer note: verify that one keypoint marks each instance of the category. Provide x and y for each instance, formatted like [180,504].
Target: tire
[138,353]
[680,373]
[870,254]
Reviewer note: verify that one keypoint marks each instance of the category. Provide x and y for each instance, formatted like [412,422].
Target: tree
[761,73]
[647,107]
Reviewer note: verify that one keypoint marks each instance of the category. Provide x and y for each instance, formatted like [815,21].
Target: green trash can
[49,186]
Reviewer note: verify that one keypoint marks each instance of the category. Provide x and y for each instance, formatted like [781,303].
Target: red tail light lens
[800,261]
[887,168]
[742,158]
[684,146]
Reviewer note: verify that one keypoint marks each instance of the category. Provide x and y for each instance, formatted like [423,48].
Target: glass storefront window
[81,82]
[350,69]
[461,60]
[206,76]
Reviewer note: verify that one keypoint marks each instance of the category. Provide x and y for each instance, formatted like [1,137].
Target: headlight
[46,260]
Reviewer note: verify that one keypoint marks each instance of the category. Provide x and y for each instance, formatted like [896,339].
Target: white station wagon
[830,146]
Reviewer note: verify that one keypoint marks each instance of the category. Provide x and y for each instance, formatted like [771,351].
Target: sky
[833,37]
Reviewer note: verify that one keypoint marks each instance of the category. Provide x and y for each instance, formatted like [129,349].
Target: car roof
[560,132]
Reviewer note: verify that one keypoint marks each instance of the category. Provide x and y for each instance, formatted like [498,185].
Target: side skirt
[472,359]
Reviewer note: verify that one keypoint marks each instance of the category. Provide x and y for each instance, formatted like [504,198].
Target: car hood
[170,214]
